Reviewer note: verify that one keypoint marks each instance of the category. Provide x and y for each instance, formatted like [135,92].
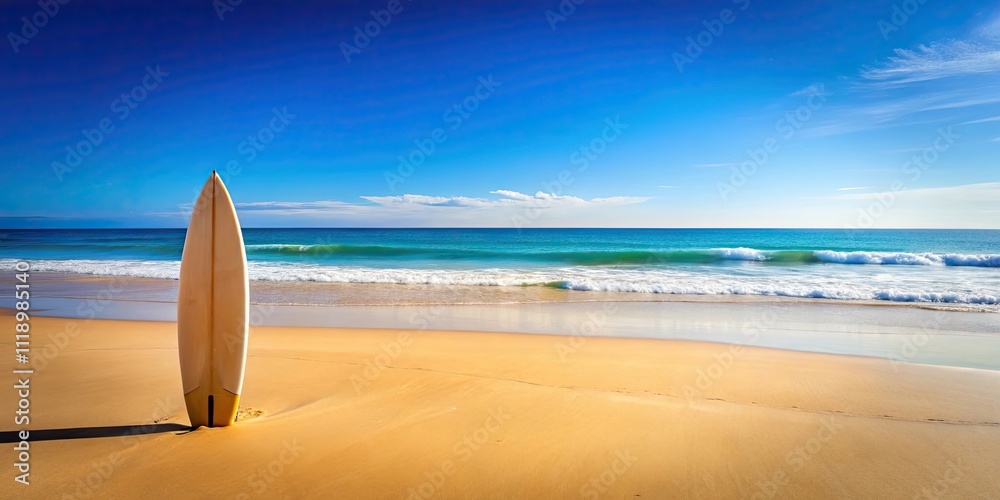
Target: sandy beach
[500,250]
[385,413]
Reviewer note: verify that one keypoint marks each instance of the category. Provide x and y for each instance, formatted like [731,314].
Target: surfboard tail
[207,409]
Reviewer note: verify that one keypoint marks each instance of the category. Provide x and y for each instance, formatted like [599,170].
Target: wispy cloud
[811,90]
[933,62]
[423,210]
[852,188]
[427,201]
[667,187]
[506,199]
[964,206]
[985,192]
[984,120]
[942,83]
[418,209]
[992,28]
[714,165]
[277,205]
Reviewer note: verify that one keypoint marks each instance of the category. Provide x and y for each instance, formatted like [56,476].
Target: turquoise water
[955,266]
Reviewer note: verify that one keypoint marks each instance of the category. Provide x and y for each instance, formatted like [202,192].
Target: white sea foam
[276,246]
[955,259]
[939,285]
[741,253]
[138,269]
[912,259]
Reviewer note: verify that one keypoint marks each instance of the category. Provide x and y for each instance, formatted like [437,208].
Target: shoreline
[312,293]
[890,331]
[948,338]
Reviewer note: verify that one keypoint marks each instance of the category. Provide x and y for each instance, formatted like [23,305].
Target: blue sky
[772,114]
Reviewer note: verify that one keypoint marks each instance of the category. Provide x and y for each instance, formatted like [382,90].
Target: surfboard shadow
[92,432]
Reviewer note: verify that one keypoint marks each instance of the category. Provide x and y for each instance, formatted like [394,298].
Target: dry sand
[354,413]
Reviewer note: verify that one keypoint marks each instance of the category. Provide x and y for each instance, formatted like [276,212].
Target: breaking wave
[665,280]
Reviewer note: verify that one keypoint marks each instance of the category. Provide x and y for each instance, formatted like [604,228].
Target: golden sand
[354,413]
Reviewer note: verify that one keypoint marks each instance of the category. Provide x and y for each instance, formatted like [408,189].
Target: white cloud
[263,205]
[984,120]
[942,83]
[992,28]
[811,90]
[989,190]
[964,206]
[511,194]
[852,188]
[935,61]
[507,199]
[714,165]
[540,209]
[427,201]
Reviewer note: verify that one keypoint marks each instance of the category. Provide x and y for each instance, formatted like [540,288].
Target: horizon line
[522,228]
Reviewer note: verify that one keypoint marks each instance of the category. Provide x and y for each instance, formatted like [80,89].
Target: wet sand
[921,333]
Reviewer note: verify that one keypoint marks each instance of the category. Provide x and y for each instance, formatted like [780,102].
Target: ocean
[920,266]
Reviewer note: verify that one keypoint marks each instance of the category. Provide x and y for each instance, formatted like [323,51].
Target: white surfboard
[213,309]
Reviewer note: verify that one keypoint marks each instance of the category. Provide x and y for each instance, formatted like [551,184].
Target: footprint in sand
[246,413]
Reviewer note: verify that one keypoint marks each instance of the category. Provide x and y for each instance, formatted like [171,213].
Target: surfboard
[213,309]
